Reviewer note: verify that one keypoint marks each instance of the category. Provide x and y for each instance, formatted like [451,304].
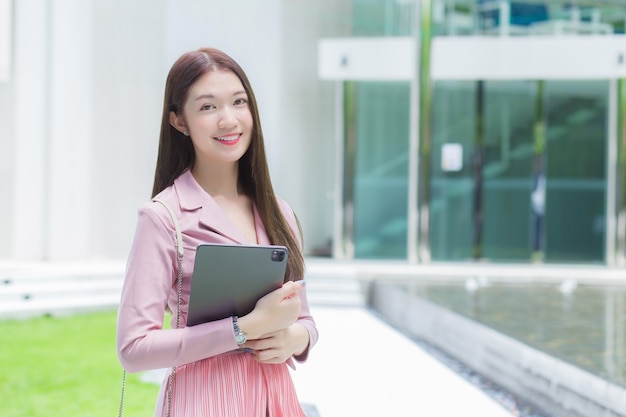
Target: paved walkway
[362,367]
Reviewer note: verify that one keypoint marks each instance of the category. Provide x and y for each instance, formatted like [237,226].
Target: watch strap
[240,337]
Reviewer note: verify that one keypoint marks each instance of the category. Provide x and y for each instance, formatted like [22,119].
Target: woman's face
[217,117]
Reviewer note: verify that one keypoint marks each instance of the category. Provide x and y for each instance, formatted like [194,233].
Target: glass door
[576,170]
[511,169]
[529,175]
[454,125]
[376,168]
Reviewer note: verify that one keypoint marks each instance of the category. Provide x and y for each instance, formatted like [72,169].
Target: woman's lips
[228,140]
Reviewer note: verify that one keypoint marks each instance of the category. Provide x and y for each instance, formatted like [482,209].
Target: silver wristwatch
[240,337]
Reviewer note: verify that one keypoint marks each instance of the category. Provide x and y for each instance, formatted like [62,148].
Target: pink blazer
[150,281]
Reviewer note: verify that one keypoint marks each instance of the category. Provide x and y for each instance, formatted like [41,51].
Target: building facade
[418,131]
[489,130]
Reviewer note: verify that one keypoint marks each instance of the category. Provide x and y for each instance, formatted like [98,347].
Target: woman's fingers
[290,289]
[277,310]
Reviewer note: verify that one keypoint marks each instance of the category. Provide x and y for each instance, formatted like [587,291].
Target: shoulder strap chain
[180,251]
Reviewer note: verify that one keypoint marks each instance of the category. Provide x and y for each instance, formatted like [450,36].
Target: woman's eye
[240,101]
[207,107]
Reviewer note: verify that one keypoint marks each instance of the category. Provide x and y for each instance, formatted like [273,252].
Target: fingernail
[303,282]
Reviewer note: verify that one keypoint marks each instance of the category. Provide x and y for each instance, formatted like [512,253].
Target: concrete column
[69,175]
[30,140]
[424,142]
[620,188]
[51,177]
[5,39]
[6,124]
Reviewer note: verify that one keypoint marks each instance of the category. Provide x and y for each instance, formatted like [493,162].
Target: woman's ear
[178,123]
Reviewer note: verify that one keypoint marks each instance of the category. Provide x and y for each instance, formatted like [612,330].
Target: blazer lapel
[193,197]
[216,219]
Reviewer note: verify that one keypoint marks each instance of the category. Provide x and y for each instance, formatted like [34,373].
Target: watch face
[241,339]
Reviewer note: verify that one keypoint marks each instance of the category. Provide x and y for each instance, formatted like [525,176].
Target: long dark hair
[176,153]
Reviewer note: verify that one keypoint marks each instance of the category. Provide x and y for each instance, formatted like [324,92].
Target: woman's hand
[277,310]
[280,345]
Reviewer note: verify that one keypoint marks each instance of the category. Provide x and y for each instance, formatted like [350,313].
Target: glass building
[481,130]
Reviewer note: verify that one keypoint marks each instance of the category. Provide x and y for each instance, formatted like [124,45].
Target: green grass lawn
[66,367]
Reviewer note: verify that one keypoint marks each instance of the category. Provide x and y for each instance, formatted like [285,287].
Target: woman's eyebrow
[211,96]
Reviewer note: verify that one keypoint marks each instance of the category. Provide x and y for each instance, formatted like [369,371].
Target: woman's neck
[218,181]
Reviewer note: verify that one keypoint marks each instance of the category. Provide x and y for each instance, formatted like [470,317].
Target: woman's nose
[227,118]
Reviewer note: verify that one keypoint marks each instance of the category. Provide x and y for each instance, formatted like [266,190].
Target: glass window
[382,17]
[507,173]
[524,18]
[532,183]
[377,152]
[451,191]
[576,147]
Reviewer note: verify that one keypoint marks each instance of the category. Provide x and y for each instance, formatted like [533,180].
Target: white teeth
[228,139]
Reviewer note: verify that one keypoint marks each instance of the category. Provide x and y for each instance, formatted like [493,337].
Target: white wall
[80,118]
[305,175]
[129,71]
[6,165]
[598,57]
[247,30]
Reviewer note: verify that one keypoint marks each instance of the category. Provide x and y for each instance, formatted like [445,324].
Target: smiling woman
[217,119]
[212,178]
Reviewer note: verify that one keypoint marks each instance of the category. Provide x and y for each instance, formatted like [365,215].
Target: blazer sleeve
[150,282]
[305,318]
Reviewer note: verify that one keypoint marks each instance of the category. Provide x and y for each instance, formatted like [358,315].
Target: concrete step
[58,290]
[25,290]
[58,306]
[61,290]
[334,290]
[336,300]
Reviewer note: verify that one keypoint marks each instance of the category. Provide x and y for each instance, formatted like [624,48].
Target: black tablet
[228,280]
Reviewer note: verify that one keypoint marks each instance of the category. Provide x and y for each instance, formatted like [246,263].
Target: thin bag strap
[180,252]
[179,235]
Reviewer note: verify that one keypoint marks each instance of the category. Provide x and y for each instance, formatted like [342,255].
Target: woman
[212,170]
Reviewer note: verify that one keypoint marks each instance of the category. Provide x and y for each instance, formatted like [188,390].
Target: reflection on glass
[509,119]
[532,180]
[576,143]
[451,190]
[380,153]
[527,18]
[382,17]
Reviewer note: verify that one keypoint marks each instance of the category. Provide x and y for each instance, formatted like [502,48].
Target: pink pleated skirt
[231,385]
